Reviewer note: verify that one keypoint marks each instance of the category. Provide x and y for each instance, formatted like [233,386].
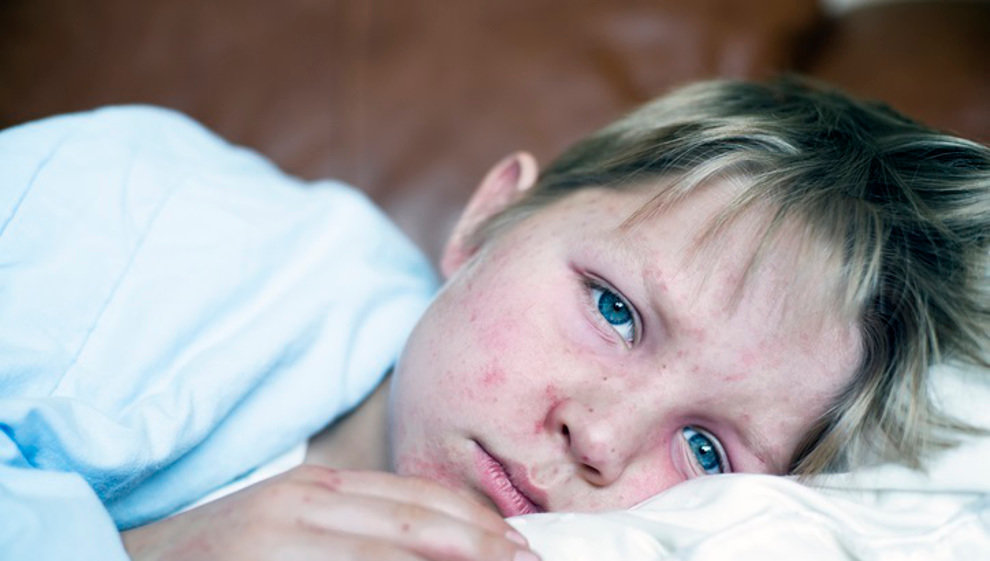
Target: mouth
[509,490]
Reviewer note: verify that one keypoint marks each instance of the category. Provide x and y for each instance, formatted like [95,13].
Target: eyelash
[722,460]
[596,289]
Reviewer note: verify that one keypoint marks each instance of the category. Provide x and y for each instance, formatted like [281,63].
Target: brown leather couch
[412,100]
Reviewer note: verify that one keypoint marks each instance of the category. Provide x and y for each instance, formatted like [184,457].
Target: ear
[503,185]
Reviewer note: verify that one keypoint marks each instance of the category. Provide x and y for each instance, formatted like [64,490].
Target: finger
[336,546]
[414,490]
[410,526]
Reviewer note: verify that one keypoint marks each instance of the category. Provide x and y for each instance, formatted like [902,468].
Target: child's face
[560,366]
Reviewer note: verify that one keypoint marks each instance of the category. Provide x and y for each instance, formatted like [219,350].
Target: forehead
[735,259]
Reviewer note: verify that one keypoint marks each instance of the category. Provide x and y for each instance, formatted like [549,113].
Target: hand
[312,512]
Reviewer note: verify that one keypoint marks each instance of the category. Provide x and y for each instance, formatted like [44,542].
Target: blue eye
[706,451]
[616,312]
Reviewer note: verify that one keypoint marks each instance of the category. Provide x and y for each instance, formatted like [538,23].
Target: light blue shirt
[174,311]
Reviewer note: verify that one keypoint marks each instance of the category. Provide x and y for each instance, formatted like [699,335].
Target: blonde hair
[906,209]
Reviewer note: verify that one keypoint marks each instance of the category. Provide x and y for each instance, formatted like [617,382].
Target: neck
[358,440]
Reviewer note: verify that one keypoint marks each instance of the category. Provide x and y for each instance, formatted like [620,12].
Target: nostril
[592,471]
[567,434]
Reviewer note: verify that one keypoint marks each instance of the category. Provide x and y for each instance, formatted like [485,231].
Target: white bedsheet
[883,513]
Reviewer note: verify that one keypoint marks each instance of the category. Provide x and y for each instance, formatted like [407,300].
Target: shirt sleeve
[174,312]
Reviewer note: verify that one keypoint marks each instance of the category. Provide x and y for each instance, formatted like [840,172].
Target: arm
[311,512]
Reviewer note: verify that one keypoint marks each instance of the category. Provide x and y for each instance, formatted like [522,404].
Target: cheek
[492,378]
[643,486]
[414,465]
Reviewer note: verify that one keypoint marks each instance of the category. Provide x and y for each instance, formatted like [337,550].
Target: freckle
[405,527]
[591,410]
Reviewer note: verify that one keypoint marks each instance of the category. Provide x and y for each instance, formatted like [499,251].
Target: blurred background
[412,100]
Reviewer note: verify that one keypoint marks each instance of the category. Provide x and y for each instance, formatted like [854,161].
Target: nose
[597,441]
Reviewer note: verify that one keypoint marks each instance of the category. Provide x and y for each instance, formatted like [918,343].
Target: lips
[509,490]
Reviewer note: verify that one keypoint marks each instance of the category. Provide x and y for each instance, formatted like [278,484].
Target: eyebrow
[662,307]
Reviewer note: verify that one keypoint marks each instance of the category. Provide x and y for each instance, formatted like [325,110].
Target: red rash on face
[747,358]
[493,377]
[434,470]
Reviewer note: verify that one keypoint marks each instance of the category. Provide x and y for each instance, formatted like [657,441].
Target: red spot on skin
[426,468]
[405,527]
[493,377]
[734,377]
[747,358]
[697,333]
[328,478]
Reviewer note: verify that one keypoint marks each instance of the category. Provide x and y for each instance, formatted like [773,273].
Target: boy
[738,277]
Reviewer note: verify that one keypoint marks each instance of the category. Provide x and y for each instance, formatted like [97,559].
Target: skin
[515,394]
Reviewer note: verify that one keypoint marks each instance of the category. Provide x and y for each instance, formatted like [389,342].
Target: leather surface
[413,100]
